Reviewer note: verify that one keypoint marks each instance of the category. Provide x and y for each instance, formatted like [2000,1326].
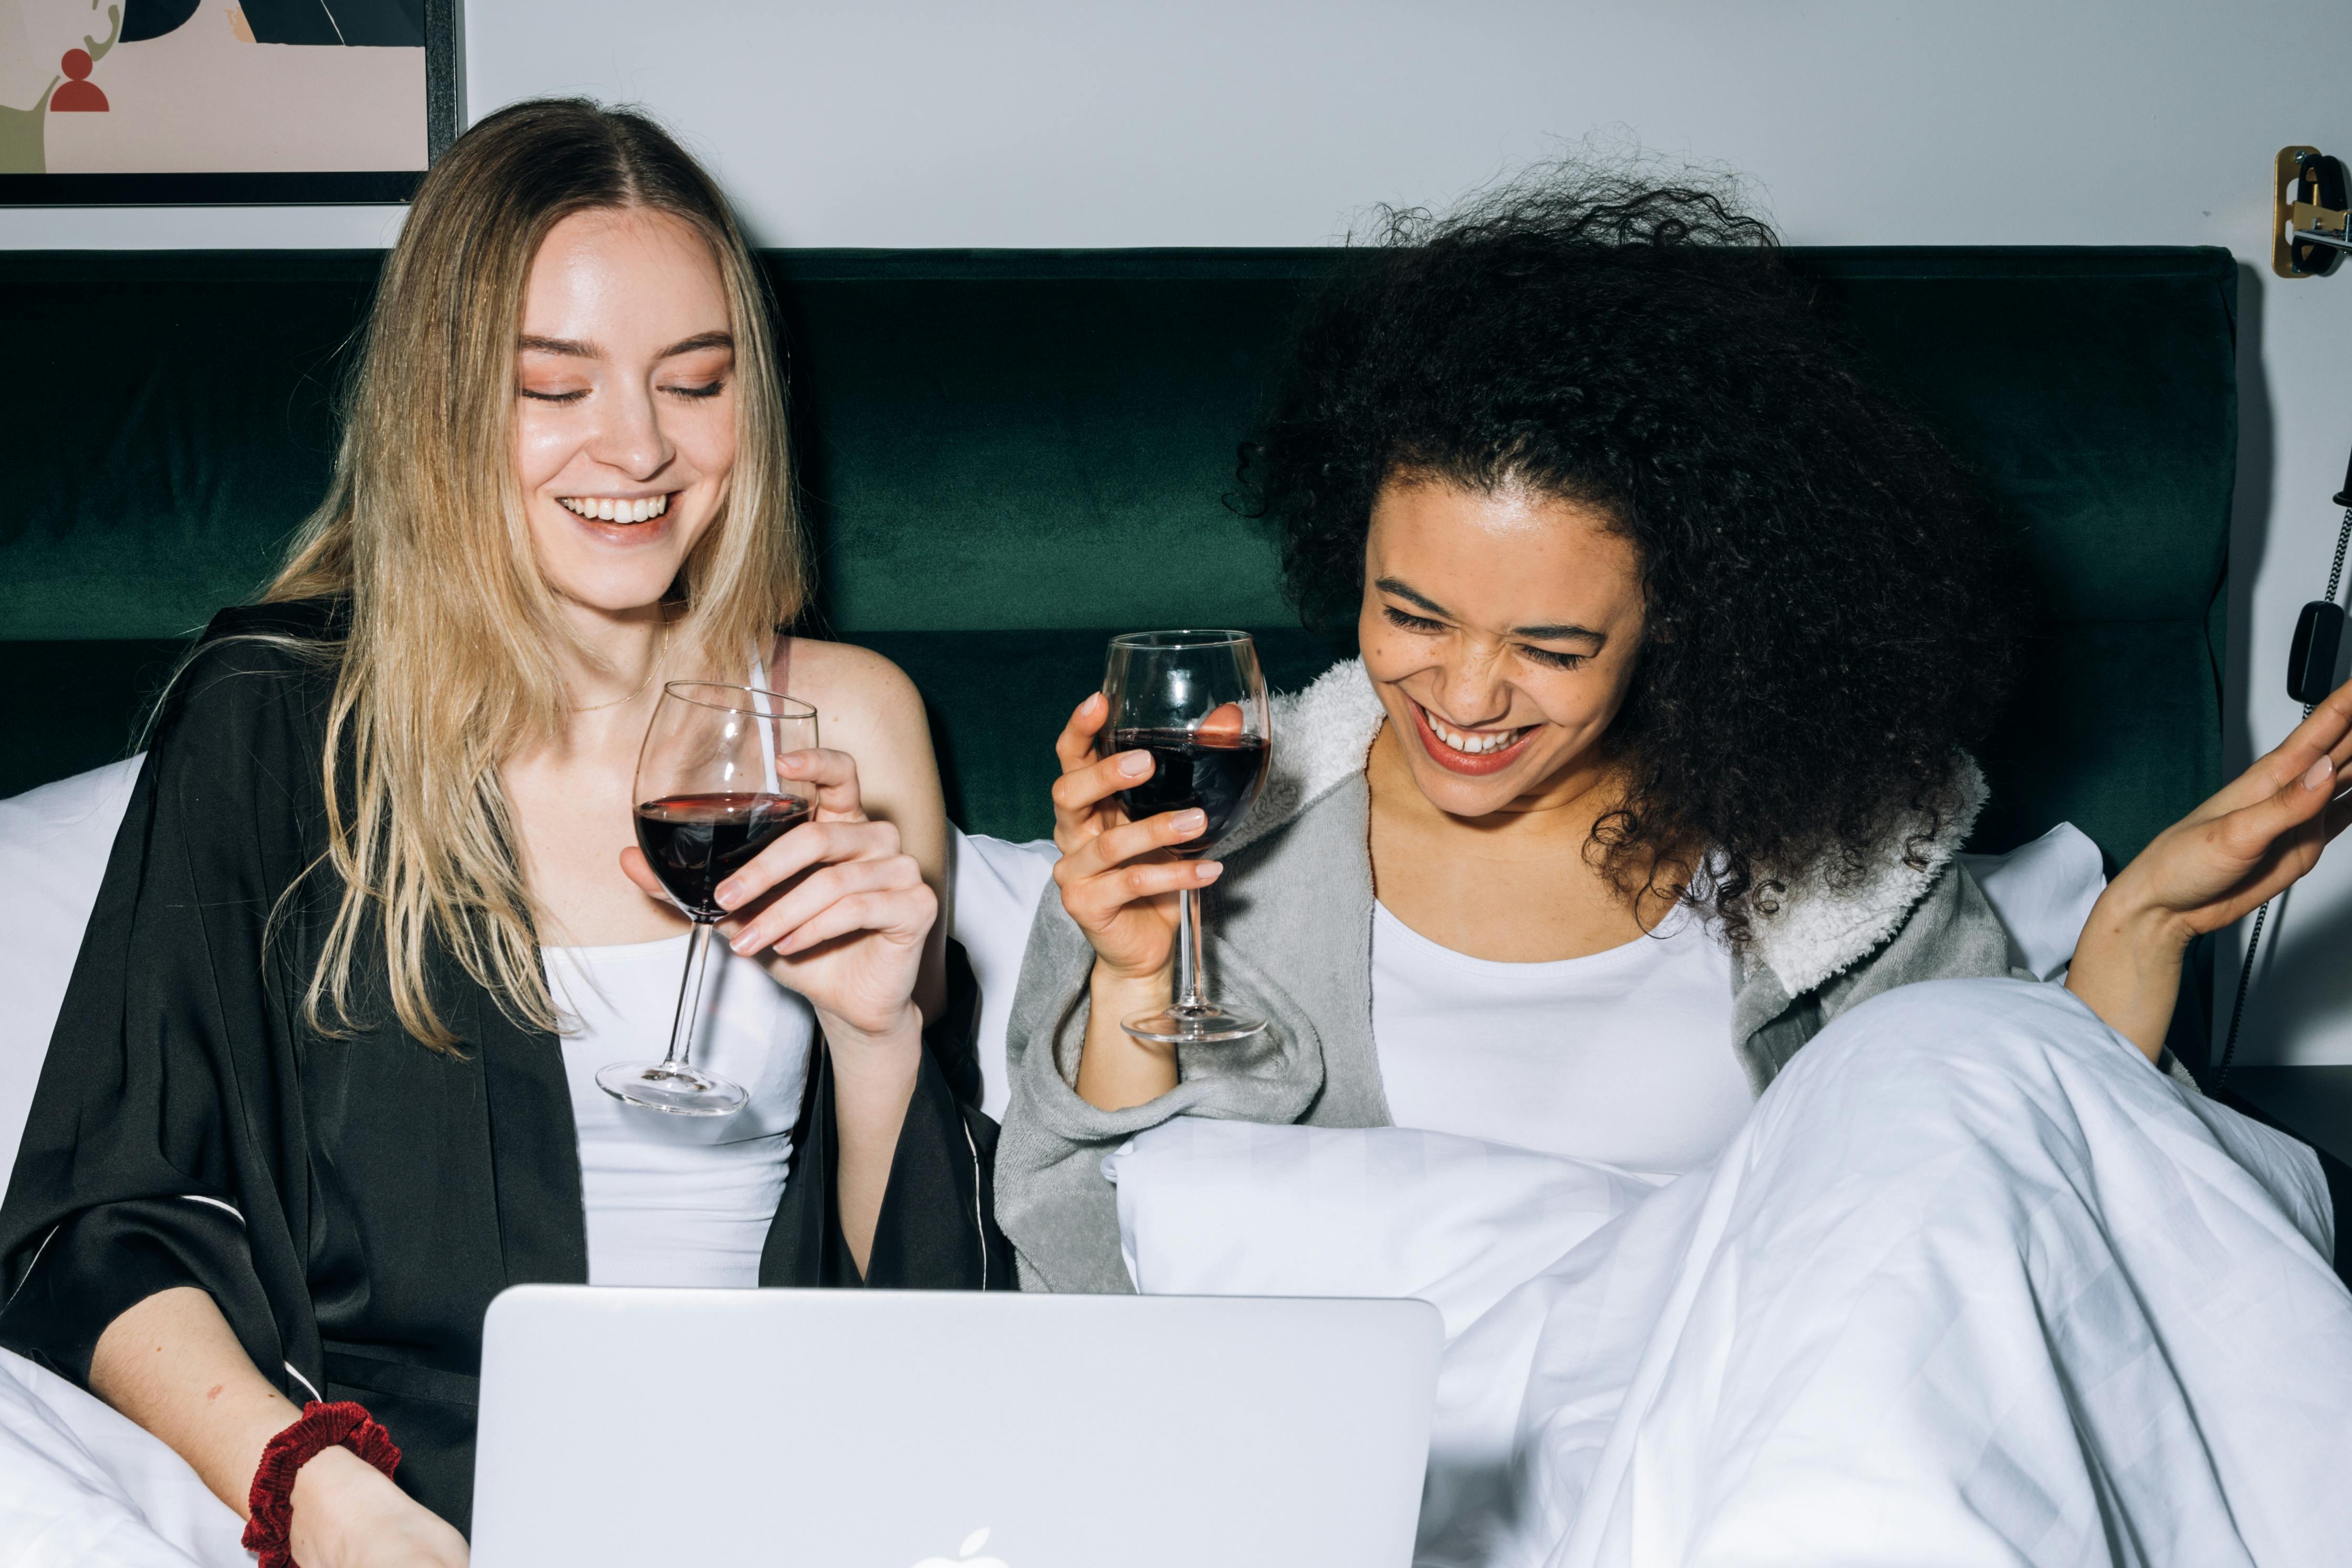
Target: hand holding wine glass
[836,909]
[1118,875]
[1182,717]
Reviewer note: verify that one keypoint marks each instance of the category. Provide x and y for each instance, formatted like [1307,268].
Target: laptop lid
[933,1429]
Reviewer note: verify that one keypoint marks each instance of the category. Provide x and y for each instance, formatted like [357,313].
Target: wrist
[1143,987]
[2127,917]
[896,1032]
[332,1493]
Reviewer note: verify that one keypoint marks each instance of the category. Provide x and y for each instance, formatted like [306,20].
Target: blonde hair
[445,673]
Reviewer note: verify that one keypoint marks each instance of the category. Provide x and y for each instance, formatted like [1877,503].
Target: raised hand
[834,909]
[1115,877]
[2239,849]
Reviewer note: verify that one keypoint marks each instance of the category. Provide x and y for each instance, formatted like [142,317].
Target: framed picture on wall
[134,102]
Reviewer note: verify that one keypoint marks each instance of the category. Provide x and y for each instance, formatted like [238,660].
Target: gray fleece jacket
[1291,940]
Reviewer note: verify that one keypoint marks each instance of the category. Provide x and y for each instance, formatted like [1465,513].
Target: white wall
[1268,123]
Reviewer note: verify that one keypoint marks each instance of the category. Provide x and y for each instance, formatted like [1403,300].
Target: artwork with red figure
[77,92]
[205,88]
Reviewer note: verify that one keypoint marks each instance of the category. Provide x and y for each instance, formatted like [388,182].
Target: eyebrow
[578,349]
[1534,633]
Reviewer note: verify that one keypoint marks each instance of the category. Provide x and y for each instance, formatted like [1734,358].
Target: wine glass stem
[689,994]
[1188,949]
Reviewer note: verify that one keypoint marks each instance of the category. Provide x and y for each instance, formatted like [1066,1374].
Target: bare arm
[2242,848]
[868,708]
[172,1364]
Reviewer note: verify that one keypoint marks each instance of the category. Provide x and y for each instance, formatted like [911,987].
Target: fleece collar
[1322,734]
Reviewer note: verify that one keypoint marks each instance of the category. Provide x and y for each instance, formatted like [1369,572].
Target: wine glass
[710,797]
[1196,702]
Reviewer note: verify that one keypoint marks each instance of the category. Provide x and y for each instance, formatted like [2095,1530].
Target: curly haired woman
[1642,800]
[1673,632]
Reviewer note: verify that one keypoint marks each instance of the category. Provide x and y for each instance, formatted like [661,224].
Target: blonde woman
[323,1085]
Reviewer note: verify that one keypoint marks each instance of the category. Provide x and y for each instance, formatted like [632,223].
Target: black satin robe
[353,1203]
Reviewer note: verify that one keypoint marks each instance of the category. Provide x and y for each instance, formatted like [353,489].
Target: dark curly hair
[1827,622]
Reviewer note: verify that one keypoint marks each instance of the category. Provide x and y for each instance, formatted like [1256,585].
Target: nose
[630,437]
[1470,688]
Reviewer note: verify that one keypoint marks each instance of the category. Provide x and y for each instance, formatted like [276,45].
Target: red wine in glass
[713,795]
[1196,702]
[1213,772]
[694,842]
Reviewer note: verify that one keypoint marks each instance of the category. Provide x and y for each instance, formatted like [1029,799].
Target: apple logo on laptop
[963,1557]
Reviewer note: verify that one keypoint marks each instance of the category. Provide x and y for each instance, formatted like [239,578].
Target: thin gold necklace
[661,646]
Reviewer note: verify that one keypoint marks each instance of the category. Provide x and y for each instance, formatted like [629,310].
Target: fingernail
[1135,764]
[1209,871]
[2316,776]
[738,942]
[726,893]
[1190,824]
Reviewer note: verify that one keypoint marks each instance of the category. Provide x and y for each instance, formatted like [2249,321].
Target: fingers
[2265,847]
[1116,846]
[887,894]
[834,774]
[1225,719]
[1081,790]
[2251,832]
[904,913]
[2327,732]
[638,870]
[811,844]
[1094,900]
[1076,745]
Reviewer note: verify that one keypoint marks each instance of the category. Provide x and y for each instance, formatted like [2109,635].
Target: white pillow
[997,884]
[54,841]
[2044,891]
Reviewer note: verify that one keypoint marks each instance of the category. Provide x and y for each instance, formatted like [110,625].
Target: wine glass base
[1204,1025]
[680,1091]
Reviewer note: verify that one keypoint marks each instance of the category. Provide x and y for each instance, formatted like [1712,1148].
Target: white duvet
[80,1485]
[1975,1285]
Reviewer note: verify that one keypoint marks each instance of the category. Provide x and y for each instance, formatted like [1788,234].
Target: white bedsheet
[81,1487]
[1976,1285]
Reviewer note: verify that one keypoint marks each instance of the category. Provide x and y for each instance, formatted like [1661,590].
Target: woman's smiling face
[624,405]
[1501,629]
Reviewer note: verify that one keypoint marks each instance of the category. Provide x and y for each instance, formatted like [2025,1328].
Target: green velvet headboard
[1009,455]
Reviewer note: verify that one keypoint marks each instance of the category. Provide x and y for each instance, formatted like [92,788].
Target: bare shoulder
[855,688]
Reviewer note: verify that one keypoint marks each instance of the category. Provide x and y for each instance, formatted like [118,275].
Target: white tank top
[1623,1056]
[682,1200]
[679,1200]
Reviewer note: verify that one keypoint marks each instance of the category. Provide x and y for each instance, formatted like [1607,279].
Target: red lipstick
[1463,762]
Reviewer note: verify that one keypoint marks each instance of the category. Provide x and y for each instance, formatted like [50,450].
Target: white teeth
[609,509]
[1481,744]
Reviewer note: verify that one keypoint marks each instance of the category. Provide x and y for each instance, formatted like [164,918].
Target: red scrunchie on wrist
[323,1427]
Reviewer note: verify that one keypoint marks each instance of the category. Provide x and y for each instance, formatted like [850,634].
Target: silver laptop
[920,1429]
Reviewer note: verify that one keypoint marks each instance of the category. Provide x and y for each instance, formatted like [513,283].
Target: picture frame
[226,102]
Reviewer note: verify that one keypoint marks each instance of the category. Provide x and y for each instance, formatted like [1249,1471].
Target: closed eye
[707,389]
[1404,622]
[1551,658]
[551,397]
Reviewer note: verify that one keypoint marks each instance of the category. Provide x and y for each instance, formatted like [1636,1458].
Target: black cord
[2245,980]
[2254,937]
[2335,572]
